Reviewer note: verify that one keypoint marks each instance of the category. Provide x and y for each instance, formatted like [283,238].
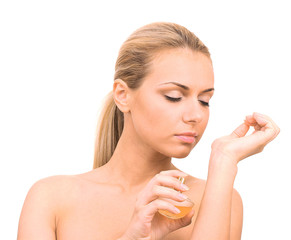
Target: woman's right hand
[145,222]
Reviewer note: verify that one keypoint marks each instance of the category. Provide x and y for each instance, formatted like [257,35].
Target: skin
[120,200]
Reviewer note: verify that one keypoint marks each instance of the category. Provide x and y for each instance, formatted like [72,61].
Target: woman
[158,109]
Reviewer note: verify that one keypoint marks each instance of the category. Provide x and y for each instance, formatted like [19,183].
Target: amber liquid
[184,212]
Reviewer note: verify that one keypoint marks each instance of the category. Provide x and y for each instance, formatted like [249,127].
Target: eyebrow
[185,87]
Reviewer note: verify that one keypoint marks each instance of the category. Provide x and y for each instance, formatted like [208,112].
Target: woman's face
[169,111]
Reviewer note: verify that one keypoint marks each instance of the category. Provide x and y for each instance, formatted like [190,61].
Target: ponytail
[109,130]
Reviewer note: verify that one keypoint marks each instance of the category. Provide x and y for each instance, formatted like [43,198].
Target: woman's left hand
[238,146]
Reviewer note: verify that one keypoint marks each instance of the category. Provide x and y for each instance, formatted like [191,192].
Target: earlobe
[121,95]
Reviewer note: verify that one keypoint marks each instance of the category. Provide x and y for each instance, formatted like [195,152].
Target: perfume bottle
[185,206]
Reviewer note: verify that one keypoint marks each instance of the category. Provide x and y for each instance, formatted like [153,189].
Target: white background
[57,64]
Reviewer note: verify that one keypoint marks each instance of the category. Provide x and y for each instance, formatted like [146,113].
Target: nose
[193,113]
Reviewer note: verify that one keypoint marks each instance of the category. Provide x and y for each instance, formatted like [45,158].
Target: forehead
[181,65]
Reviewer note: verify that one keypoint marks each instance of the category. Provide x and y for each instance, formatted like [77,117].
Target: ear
[121,95]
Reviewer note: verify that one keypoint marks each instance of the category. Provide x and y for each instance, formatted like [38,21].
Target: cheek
[153,118]
[204,122]
[158,118]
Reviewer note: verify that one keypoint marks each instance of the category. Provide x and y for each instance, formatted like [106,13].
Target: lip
[187,137]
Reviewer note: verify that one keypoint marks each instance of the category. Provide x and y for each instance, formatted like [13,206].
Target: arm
[220,215]
[37,220]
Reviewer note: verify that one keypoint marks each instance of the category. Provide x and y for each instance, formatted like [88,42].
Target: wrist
[223,163]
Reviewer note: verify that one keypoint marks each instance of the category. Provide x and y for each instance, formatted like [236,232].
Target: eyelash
[173,99]
[206,104]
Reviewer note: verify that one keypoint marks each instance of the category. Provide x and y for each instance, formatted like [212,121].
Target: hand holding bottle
[146,223]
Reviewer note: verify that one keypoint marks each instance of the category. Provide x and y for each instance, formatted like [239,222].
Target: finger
[261,122]
[150,210]
[266,127]
[265,130]
[258,118]
[250,120]
[264,121]
[182,222]
[165,192]
[240,131]
[187,219]
[169,179]
[149,194]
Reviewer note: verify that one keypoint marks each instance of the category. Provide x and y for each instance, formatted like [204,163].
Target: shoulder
[40,208]
[55,193]
[50,185]
[49,191]
[61,189]
[52,196]
[56,189]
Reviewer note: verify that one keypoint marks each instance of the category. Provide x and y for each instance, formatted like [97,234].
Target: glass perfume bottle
[185,206]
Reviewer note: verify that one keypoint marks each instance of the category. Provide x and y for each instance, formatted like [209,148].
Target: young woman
[158,109]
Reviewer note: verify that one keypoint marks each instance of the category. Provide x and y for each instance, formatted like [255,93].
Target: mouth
[188,137]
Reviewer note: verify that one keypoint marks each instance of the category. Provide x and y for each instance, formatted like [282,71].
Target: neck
[133,163]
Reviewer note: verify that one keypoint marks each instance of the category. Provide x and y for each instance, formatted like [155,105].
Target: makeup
[185,207]
[187,137]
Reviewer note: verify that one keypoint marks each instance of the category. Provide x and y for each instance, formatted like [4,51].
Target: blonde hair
[132,65]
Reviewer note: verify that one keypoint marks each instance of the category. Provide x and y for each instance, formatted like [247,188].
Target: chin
[180,155]
[181,151]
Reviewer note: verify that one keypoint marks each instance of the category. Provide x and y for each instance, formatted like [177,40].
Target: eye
[173,99]
[206,104]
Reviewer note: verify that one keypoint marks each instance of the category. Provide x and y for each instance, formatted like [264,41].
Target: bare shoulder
[51,188]
[47,201]
[52,182]
[40,207]
[57,191]
[49,192]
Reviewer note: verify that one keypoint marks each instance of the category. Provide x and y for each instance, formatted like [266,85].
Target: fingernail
[176,210]
[184,187]
[182,196]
